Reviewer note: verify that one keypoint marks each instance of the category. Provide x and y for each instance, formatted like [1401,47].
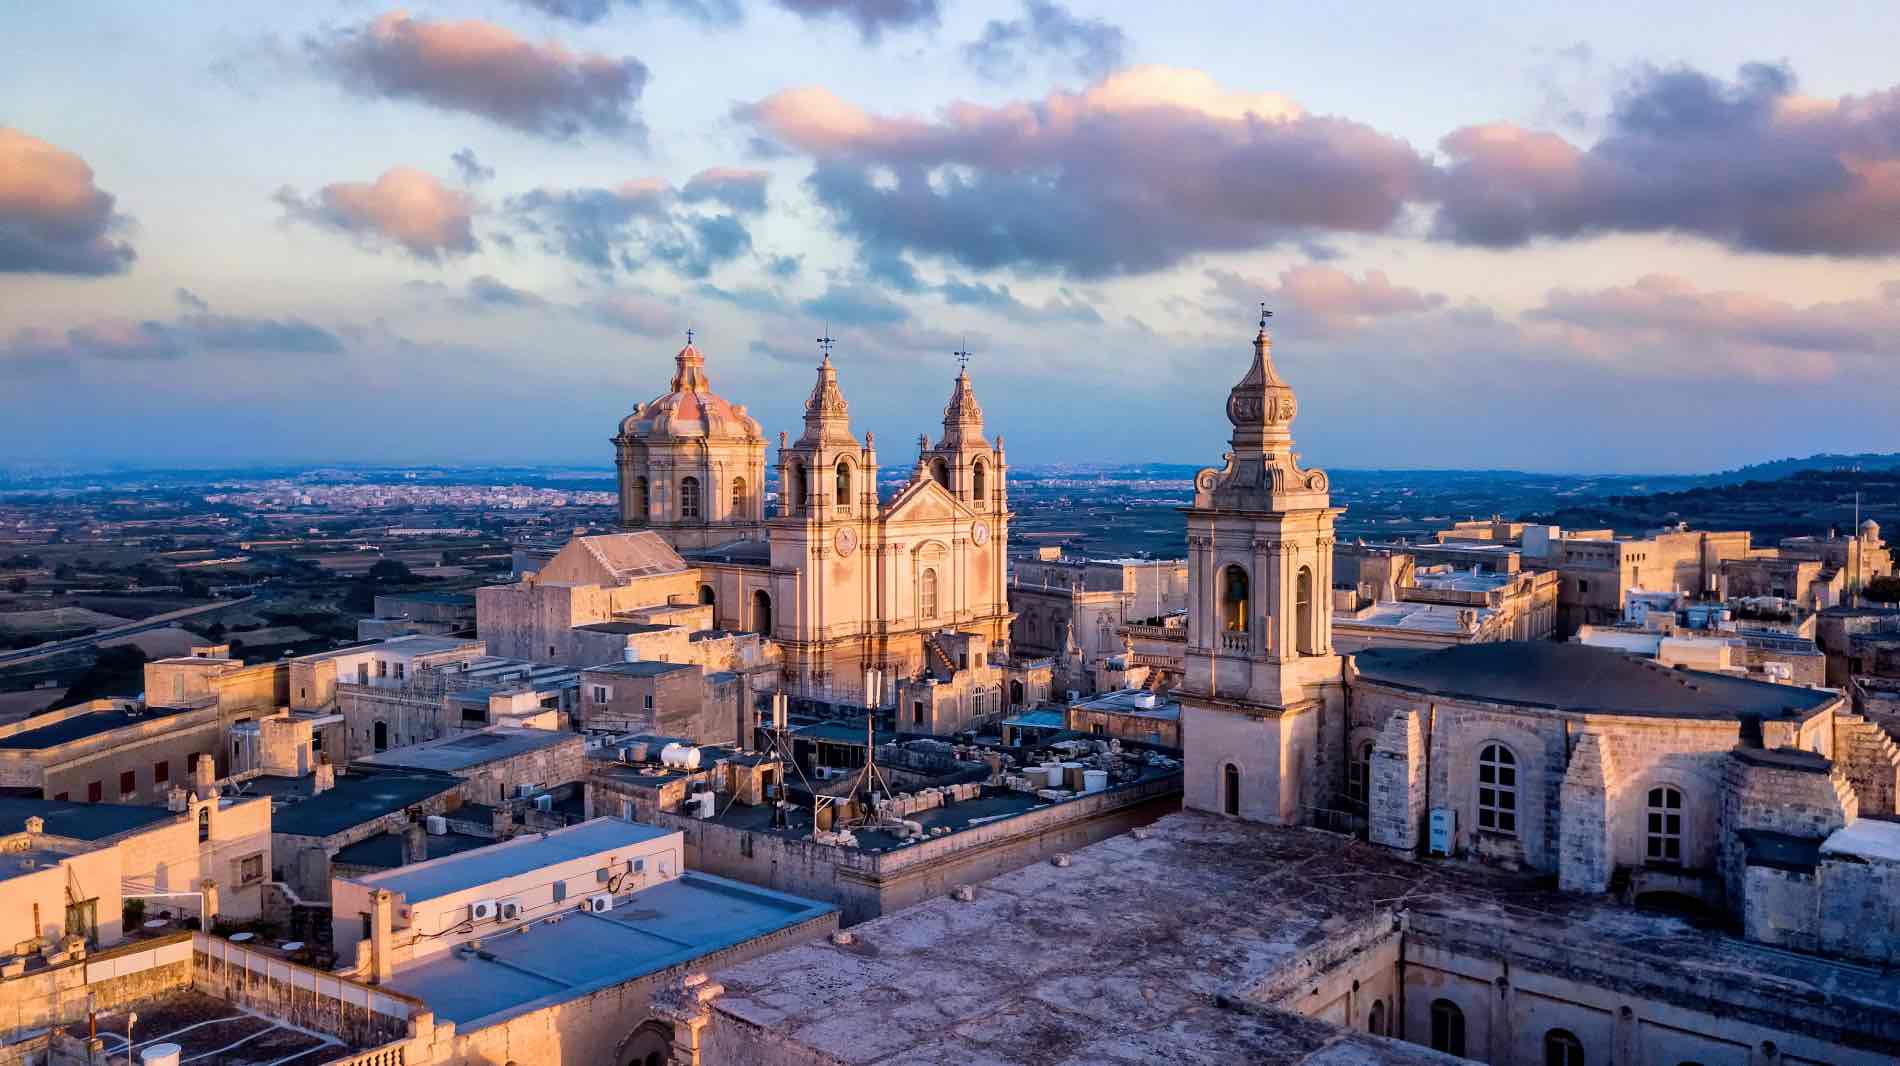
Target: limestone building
[1259,673]
[851,587]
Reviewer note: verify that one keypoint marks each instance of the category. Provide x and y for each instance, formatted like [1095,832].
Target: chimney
[323,778]
[382,907]
[204,775]
[415,843]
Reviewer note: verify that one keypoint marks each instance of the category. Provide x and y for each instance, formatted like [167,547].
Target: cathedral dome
[692,411]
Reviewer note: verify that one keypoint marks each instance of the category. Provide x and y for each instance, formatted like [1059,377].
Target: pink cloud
[1319,299]
[53,219]
[405,206]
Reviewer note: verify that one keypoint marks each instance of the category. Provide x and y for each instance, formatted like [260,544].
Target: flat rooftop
[578,952]
[414,644]
[1129,702]
[523,854]
[1413,617]
[81,727]
[356,798]
[1145,950]
[643,668]
[454,754]
[628,628]
[216,1032]
[81,821]
[1584,679]
[384,851]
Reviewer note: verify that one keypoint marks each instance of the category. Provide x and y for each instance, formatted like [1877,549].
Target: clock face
[980,533]
[847,540]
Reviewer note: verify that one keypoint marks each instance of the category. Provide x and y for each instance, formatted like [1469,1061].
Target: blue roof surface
[524,854]
[671,923]
[80,726]
[1045,719]
[81,821]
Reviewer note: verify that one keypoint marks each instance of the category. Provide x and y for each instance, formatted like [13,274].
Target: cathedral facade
[860,592]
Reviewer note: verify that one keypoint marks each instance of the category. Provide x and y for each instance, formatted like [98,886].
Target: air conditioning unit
[544,802]
[598,904]
[481,910]
[436,825]
[510,910]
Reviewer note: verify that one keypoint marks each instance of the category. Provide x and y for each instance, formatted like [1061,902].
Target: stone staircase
[1870,760]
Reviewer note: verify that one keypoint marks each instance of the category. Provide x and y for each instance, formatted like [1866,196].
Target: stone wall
[1870,761]
[110,979]
[866,884]
[1859,907]
[1790,793]
[1396,791]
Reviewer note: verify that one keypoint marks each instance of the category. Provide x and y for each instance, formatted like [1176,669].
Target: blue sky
[1493,236]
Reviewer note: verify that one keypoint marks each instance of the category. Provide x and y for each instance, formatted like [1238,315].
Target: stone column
[1397,790]
[1584,858]
[688,1006]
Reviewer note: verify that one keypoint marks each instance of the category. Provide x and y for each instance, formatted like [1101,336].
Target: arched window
[1233,596]
[1359,777]
[1305,640]
[927,594]
[1448,1027]
[642,499]
[1562,1048]
[1664,830]
[761,612]
[844,483]
[1230,789]
[380,736]
[979,484]
[941,471]
[689,497]
[739,501]
[706,596]
[1497,790]
[1375,1019]
[204,823]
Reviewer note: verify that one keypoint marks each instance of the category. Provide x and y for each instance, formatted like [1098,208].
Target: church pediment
[924,500]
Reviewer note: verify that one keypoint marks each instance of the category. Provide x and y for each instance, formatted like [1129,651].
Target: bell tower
[1260,675]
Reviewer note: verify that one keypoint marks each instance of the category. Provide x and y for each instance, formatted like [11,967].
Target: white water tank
[680,757]
[1146,700]
[1094,780]
[161,1055]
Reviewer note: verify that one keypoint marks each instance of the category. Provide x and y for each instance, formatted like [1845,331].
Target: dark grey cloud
[1747,163]
[120,339]
[1090,47]
[891,270]
[484,69]
[630,227]
[855,305]
[737,189]
[1135,174]
[1065,306]
[471,168]
[870,17]
[53,219]
[488,291]
[588,12]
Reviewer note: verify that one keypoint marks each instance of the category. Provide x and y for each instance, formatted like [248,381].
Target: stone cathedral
[857,590]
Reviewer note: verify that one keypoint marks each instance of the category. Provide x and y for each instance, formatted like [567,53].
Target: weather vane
[1264,314]
[825,342]
[963,356]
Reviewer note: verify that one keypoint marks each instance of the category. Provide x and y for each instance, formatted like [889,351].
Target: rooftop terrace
[356,798]
[523,854]
[579,952]
[453,754]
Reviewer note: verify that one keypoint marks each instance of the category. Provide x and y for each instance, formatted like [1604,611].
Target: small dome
[692,411]
[1870,529]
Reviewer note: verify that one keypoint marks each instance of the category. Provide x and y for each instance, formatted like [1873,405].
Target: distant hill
[1807,500]
[1781,468]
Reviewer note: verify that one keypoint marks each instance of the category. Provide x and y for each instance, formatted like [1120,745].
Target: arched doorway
[381,736]
[649,1045]
[1015,693]
[761,612]
[1230,789]
[706,597]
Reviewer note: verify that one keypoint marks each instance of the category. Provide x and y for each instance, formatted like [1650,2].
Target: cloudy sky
[475,232]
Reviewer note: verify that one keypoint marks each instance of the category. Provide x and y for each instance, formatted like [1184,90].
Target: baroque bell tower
[1261,680]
